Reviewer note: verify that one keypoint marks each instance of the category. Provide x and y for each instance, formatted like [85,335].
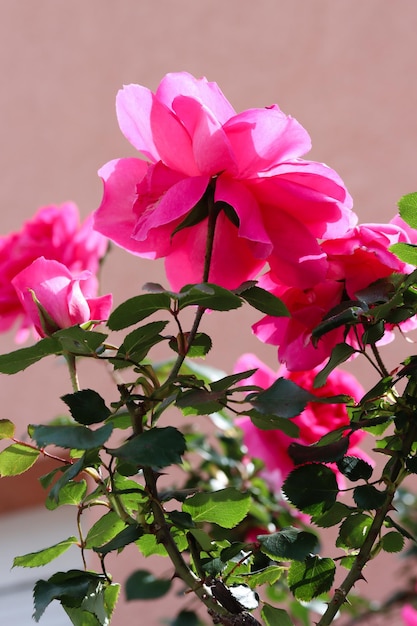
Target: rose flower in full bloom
[273,204]
[55,233]
[271,446]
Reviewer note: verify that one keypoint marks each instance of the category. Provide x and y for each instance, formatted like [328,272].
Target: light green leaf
[105,529]
[17,459]
[226,507]
[7,429]
[42,557]
[311,578]
[407,206]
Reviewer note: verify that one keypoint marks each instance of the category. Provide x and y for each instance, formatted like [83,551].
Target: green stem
[72,368]
[213,213]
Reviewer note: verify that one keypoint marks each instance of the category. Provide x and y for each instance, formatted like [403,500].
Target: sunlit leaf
[273,616]
[42,557]
[17,459]
[7,429]
[226,507]
[311,578]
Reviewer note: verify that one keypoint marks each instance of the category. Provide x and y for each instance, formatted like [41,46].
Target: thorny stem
[393,481]
[213,213]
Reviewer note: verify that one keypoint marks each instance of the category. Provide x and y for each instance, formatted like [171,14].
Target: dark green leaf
[367,497]
[312,578]
[273,422]
[311,488]
[340,353]
[201,401]
[354,468]
[353,531]
[289,544]
[209,296]
[19,360]
[264,301]
[128,535]
[137,344]
[332,516]
[158,447]
[70,472]
[142,585]
[411,464]
[137,309]
[329,453]
[78,437]
[283,398]
[70,588]
[180,519]
[76,340]
[200,346]
[198,213]
[42,557]
[17,459]
[392,542]
[186,618]
[226,507]
[229,381]
[273,616]
[86,406]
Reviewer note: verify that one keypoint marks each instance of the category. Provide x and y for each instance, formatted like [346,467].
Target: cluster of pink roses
[48,273]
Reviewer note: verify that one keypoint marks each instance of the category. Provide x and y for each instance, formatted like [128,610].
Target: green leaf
[201,401]
[229,381]
[289,544]
[186,618]
[312,578]
[353,531]
[70,588]
[269,575]
[200,346]
[78,341]
[273,616]
[311,488]
[19,360]
[158,447]
[96,608]
[86,406]
[7,429]
[78,437]
[128,535]
[17,459]
[273,422]
[71,494]
[142,585]
[42,557]
[71,471]
[105,529]
[406,252]
[198,213]
[137,309]
[209,296]
[283,398]
[226,507]
[137,344]
[340,353]
[368,497]
[264,301]
[407,206]
[332,516]
[392,542]
[354,468]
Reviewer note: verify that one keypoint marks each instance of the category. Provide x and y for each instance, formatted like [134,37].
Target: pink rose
[54,233]
[271,446]
[409,615]
[52,298]
[354,261]
[196,145]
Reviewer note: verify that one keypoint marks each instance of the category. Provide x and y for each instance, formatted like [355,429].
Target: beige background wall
[346,69]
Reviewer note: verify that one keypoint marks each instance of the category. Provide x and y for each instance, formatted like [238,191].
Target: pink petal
[184,84]
[115,217]
[262,138]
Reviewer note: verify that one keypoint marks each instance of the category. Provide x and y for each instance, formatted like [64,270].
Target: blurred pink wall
[346,70]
